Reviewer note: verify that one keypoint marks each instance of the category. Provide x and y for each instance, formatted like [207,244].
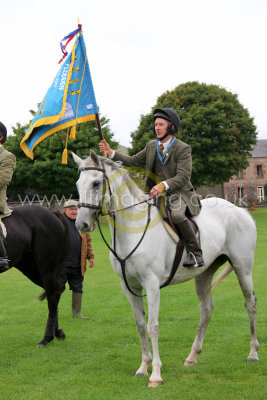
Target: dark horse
[36,242]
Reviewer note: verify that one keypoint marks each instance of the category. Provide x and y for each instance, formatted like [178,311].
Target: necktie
[161,149]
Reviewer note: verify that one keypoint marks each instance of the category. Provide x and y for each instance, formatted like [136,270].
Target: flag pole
[99,127]
[100,131]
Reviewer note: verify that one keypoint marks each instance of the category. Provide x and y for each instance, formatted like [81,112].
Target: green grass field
[100,355]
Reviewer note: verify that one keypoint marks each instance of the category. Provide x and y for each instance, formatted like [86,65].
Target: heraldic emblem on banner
[69,101]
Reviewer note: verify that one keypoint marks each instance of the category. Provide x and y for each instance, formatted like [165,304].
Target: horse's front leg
[153,301]
[137,305]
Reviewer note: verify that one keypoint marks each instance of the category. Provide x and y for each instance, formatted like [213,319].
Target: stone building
[247,187]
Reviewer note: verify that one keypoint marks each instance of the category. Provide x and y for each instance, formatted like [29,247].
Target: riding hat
[170,115]
[3,131]
[70,203]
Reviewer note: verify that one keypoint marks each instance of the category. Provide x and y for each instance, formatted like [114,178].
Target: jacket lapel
[169,152]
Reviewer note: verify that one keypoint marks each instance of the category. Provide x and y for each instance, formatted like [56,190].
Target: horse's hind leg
[202,285]
[59,333]
[246,284]
[53,297]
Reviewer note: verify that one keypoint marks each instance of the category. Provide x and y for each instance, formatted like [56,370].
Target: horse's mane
[126,178]
[115,166]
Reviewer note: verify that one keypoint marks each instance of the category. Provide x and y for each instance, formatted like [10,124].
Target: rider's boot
[194,252]
[4,265]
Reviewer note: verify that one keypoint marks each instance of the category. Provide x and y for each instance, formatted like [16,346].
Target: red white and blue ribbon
[68,38]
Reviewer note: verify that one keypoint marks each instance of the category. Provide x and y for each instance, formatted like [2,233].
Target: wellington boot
[77,305]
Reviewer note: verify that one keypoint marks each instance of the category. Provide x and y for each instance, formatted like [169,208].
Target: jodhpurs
[178,207]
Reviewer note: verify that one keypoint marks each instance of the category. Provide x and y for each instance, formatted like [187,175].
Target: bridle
[94,206]
[99,211]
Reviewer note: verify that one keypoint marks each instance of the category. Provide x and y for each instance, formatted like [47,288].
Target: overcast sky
[137,49]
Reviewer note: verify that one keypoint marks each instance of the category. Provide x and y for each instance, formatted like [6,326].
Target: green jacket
[7,167]
[177,169]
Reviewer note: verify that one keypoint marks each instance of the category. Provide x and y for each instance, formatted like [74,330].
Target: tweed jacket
[177,168]
[7,167]
[86,251]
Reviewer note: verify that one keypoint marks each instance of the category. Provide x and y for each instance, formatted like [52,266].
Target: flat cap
[70,203]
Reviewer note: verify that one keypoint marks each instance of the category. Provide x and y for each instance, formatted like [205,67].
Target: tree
[218,128]
[46,175]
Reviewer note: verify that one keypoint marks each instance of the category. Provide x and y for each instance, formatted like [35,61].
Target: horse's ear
[77,159]
[94,157]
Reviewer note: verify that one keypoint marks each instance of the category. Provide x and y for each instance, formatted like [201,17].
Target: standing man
[169,159]
[7,167]
[79,251]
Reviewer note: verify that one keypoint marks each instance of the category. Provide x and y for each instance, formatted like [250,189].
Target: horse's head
[91,188]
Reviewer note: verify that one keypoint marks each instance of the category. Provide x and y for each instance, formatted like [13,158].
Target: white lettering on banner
[56,80]
[64,77]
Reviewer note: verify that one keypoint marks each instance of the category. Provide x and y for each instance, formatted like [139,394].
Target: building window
[259,170]
[240,190]
[260,193]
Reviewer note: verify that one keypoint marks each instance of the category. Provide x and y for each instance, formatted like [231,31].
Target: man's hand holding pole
[105,147]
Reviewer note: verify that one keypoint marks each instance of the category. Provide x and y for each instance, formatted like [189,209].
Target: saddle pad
[171,232]
[174,235]
[3,228]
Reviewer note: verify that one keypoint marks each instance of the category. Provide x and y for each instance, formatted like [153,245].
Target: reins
[113,212]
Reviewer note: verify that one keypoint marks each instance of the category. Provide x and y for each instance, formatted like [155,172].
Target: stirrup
[4,264]
[193,263]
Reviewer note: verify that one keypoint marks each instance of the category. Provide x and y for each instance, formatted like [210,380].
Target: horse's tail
[226,271]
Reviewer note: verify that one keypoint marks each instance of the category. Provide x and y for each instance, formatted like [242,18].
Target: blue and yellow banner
[69,101]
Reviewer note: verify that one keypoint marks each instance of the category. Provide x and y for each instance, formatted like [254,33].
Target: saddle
[172,229]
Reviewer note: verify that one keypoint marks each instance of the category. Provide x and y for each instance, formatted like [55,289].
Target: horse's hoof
[60,334]
[252,359]
[140,374]
[40,345]
[45,341]
[189,363]
[154,384]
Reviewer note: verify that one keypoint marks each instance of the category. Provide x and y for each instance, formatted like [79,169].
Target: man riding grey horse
[7,167]
[169,159]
